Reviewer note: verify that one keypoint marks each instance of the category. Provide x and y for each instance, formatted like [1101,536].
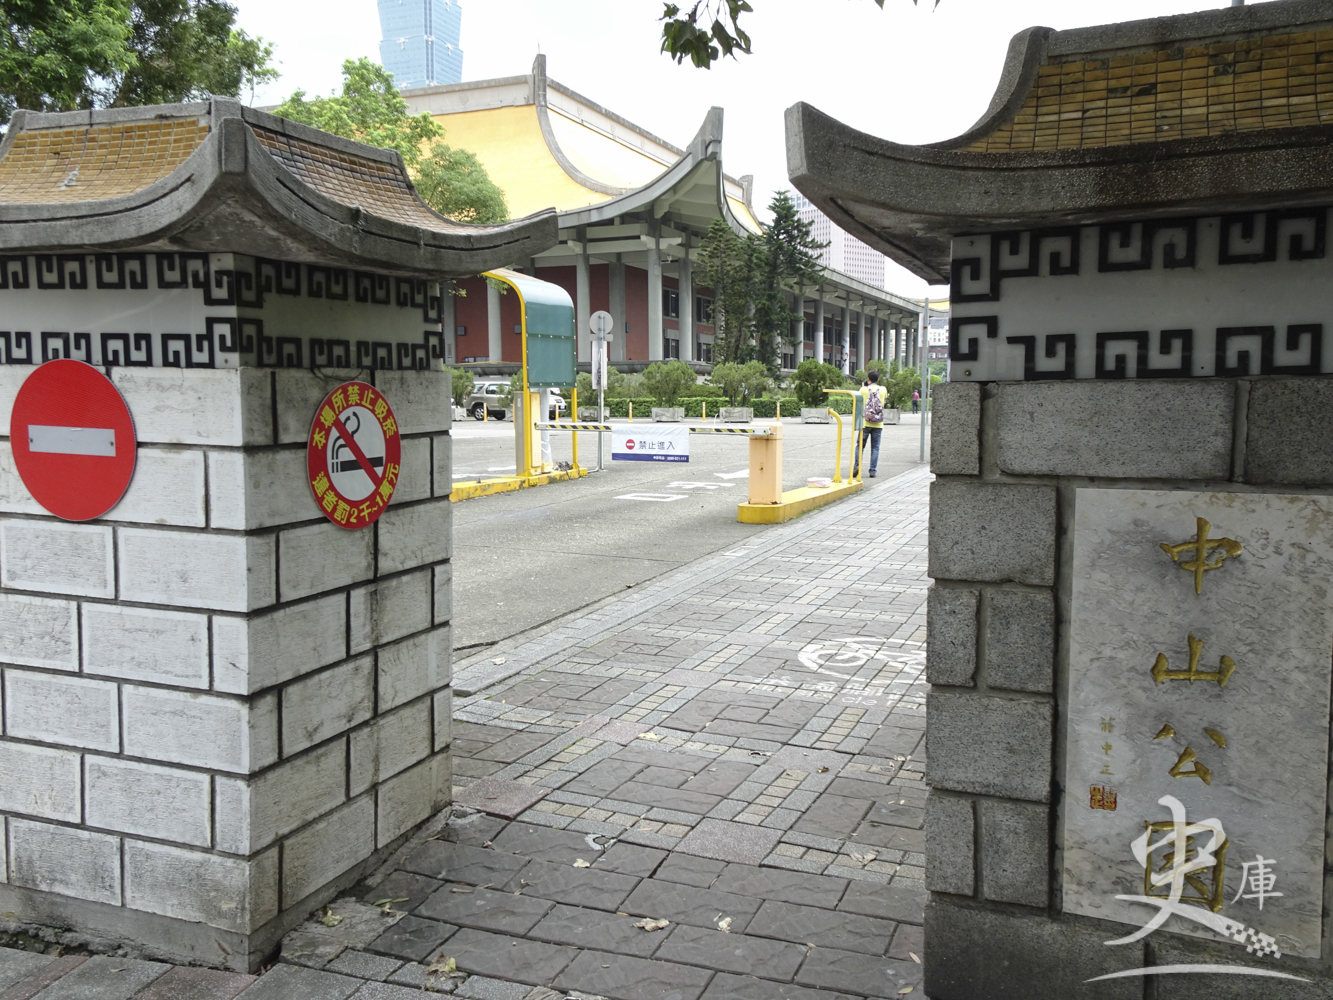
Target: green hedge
[620,407]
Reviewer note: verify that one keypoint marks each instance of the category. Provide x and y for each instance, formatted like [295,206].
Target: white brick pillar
[219,707]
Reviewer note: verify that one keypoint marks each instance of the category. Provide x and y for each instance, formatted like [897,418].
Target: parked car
[486,395]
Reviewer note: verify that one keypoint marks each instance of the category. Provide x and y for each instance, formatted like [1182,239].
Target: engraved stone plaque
[1205,682]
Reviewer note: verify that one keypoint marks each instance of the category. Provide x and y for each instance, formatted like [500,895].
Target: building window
[670,303]
[809,331]
[460,331]
[788,360]
[671,349]
[704,353]
[703,310]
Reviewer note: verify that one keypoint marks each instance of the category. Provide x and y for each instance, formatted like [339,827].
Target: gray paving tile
[294,982]
[623,978]
[403,890]
[485,988]
[690,870]
[45,975]
[656,796]
[575,886]
[440,859]
[417,977]
[584,928]
[364,965]
[834,816]
[908,940]
[485,908]
[724,841]
[386,991]
[728,987]
[543,843]
[102,978]
[184,983]
[16,965]
[902,902]
[790,887]
[823,928]
[533,962]
[738,953]
[499,797]
[629,859]
[687,905]
[413,939]
[831,969]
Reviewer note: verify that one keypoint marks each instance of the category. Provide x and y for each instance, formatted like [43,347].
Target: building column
[819,326]
[897,344]
[583,299]
[798,327]
[448,323]
[861,339]
[494,338]
[617,290]
[656,332]
[686,322]
[846,335]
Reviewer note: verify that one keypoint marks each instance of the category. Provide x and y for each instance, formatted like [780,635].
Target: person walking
[916,400]
[876,397]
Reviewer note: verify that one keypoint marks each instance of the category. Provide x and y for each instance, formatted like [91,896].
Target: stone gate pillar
[223,699]
[1131,535]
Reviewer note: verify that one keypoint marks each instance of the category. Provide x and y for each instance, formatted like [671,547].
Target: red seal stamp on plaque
[354,455]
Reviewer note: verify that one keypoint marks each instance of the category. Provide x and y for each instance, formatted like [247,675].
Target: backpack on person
[874,405]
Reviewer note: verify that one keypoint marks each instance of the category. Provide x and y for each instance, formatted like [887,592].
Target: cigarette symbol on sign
[340,448]
[96,441]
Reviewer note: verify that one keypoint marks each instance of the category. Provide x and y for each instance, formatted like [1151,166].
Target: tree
[460,385]
[370,110]
[812,378]
[788,259]
[710,30]
[667,382]
[726,264]
[67,55]
[740,383]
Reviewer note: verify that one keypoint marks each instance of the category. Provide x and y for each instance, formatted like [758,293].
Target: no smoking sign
[354,455]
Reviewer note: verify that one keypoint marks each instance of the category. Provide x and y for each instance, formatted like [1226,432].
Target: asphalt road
[522,559]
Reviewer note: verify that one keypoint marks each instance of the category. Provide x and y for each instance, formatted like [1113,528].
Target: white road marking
[743,474]
[699,486]
[654,497]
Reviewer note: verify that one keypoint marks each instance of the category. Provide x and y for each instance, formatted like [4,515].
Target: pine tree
[788,260]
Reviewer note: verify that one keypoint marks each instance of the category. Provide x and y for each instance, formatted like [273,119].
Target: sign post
[600,324]
[73,440]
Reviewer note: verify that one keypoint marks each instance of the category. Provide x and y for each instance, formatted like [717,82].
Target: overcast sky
[906,73]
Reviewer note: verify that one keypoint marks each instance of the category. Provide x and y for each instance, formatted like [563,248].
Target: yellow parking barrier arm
[837,461]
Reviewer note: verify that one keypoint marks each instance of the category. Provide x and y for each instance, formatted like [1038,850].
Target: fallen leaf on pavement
[442,964]
[330,919]
[649,736]
[383,902]
[724,925]
[864,859]
[460,890]
[649,924]
[498,659]
[580,863]
[486,843]
[820,770]
[905,989]
[914,957]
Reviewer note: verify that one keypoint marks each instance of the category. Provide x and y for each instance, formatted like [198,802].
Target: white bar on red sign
[72,440]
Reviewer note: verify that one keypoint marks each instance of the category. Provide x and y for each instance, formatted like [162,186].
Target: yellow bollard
[778,411]
[766,467]
[631,411]
[703,408]
[574,405]
[837,463]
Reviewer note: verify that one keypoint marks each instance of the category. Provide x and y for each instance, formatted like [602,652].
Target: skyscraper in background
[420,41]
[844,252]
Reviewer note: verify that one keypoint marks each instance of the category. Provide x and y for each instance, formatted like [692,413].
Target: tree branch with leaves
[709,30]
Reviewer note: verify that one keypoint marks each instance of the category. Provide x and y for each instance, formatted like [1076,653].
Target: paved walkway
[710,787]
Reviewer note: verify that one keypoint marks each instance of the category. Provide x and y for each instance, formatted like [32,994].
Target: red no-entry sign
[353,455]
[73,440]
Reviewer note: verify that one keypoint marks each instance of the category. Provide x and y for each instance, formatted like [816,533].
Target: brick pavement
[735,749]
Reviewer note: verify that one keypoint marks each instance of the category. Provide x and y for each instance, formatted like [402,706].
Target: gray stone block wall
[1008,458]
[219,707]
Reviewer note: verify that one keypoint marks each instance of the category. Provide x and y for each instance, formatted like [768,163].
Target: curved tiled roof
[1220,110]
[45,166]
[217,177]
[1173,91]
